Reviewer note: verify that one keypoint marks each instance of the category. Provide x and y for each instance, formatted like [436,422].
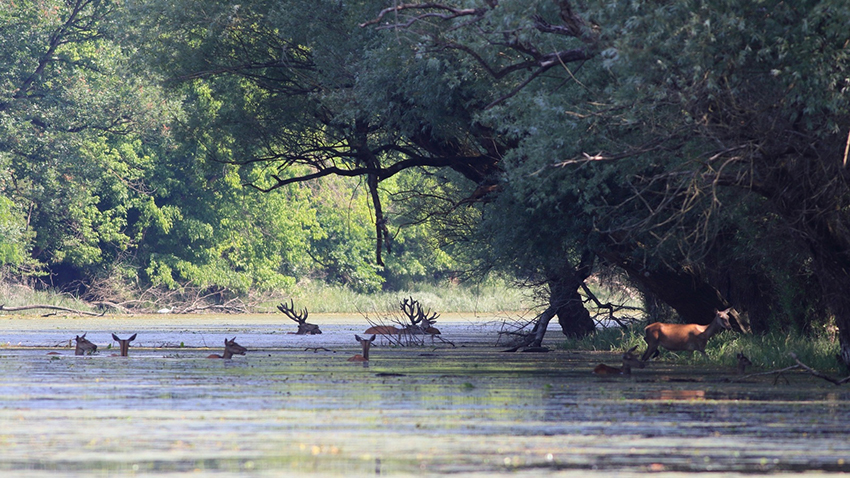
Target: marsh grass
[15,295]
[487,298]
[318,298]
[767,351]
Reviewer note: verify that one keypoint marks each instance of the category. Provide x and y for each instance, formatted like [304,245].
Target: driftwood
[801,365]
[819,374]
[3,308]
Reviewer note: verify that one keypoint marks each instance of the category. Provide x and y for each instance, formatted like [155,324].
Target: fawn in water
[629,360]
[84,346]
[366,344]
[124,344]
[231,348]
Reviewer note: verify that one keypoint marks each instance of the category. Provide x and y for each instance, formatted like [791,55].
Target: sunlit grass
[441,299]
[767,351]
[12,295]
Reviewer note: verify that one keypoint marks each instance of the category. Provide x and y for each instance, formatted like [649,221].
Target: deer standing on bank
[301,319]
[629,360]
[84,346]
[366,344]
[124,344]
[231,348]
[692,337]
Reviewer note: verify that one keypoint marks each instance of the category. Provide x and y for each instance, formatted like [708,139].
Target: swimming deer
[383,330]
[124,344]
[301,319]
[629,360]
[684,336]
[365,343]
[231,348]
[84,346]
[421,322]
[743,363]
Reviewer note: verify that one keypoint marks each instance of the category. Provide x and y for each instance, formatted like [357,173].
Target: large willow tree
[702,148]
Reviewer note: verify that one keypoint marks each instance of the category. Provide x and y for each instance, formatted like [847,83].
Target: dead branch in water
[819,374]
[49,307]
[801,365]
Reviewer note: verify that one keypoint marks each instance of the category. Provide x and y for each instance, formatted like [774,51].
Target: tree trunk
[566,302]
[569,307]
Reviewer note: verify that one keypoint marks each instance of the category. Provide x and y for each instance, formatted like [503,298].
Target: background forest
[694,150]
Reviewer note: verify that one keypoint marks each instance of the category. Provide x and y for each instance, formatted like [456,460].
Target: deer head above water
[629,360]
[366,344]
[684,336]
[231,348]
[124,344]
[743,362]
[84,346]
[301,319]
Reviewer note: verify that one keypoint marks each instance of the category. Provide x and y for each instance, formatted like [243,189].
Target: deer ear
[115,338]
[357,338]
[372,338]
[132,337]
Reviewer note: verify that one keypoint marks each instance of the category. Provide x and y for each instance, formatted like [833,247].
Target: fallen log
[3,308]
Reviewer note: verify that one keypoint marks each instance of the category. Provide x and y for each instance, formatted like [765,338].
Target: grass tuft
[767,351]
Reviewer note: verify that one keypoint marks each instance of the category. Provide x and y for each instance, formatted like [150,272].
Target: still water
[294,406]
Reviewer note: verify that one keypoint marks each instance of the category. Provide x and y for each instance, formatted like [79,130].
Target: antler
[289,311]
[429,320]
[412,310]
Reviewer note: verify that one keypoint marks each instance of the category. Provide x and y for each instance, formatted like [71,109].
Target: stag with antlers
[421,322]
[301,318]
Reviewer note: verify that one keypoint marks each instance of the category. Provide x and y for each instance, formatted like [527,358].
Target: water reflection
[458,411]
[676,395]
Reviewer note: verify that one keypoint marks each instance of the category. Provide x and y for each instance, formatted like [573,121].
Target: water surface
[466,409]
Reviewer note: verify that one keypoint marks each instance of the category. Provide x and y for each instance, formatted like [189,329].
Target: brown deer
[303,327]
[383,330]
[629,360]
[420,322]
[124,344]
[743,363]
[231,348]
[366,344]
[84,346]
[684,336]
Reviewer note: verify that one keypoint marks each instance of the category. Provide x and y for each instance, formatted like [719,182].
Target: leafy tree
[311,95]
[72,131]
[690,147]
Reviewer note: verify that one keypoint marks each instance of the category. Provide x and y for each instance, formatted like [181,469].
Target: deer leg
[650,352]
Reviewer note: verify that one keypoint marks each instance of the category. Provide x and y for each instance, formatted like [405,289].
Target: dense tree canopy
[697,147]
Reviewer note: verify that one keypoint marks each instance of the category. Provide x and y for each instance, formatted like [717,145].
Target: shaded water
[435,410]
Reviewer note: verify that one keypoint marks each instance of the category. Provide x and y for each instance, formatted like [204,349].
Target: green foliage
[769,351]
